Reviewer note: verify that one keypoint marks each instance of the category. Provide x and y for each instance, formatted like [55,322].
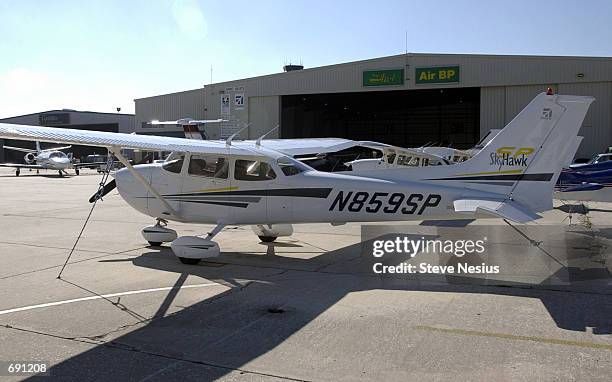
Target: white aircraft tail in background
[190,126]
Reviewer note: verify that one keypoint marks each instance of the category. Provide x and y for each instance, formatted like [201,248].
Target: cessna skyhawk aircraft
[258,183]
[48,159]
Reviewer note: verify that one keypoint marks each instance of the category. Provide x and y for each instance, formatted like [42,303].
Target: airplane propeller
[108,187]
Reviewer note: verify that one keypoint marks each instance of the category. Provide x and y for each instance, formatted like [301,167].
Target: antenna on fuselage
[258,141]
[228,141]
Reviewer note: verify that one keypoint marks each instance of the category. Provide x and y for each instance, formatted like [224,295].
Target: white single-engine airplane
[258,183]
[48,159]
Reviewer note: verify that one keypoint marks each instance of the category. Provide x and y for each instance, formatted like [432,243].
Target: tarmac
[302,308]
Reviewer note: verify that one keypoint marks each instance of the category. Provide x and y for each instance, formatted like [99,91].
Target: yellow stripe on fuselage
[234,188]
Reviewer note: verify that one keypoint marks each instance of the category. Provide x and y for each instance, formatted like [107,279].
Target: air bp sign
[436,75]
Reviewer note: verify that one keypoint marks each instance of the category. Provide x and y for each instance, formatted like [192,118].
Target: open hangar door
[407,118]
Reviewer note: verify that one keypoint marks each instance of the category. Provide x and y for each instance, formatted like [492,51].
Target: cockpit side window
[209,166]
[174,163]
[253,170]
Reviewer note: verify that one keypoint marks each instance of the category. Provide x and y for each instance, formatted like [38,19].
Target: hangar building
[71,119]
[407,100]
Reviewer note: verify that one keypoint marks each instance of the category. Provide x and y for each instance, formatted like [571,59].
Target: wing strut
[117,153]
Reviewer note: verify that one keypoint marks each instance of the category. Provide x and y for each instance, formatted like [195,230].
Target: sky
[99,55]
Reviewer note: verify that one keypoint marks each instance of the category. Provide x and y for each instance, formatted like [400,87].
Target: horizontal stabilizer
[500,208]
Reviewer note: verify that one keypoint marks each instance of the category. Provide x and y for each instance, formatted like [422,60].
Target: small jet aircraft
[48,159]
[259,183]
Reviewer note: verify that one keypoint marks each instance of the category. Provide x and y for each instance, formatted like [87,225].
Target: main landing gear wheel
[61,174]
[17,172]
[267,233]
[191,249]
[267,239]
[189,261]
[76,171]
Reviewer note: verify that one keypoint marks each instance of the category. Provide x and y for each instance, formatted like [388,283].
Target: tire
[17,173]
[155,243]
[189,261]
[267,239]
[76,171]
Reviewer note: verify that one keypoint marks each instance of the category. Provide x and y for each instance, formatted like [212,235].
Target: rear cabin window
[251,170]
[174,163]
[208,166]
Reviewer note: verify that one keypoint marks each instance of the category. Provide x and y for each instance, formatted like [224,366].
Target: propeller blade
[108,187]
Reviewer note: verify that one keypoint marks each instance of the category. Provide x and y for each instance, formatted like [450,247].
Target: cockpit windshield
[291,166]
[57,155]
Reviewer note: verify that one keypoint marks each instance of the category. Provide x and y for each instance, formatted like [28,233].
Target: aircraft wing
[303,146]
[119,140]
[29,151]
[57,148]
[18,165]
[385,148]
[187,121]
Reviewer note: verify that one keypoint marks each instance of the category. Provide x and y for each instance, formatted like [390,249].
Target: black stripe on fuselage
[216,203]
[229,204]
[297,192]
[519,177]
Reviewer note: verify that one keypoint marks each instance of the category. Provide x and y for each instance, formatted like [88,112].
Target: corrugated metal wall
[500,104]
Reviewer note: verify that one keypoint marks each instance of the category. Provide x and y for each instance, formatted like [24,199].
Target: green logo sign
[436,75]
[383,77]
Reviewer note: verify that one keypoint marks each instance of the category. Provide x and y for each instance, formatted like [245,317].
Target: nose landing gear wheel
[17,172]
[157,234]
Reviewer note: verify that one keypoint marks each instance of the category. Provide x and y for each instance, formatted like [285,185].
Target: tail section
[194,132]
[524,160]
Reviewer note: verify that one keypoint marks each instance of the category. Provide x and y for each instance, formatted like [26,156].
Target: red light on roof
[549,91]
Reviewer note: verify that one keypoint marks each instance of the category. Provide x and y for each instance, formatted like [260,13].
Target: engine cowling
[30,158]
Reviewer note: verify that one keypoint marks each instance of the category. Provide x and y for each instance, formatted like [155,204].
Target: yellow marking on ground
[233,188]
[495,172]
[553,341]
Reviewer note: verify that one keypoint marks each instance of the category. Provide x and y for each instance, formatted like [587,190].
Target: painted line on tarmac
[104,296]
[553,341]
